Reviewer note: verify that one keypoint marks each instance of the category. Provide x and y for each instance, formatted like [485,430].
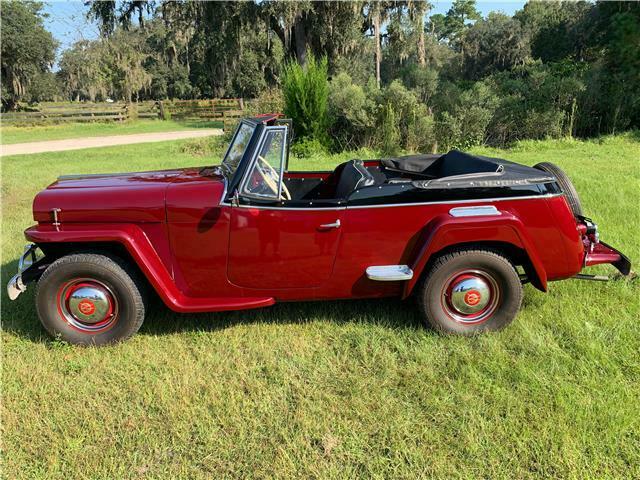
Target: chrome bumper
[16,286]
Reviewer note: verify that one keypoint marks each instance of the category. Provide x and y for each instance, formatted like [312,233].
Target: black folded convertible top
[461,170]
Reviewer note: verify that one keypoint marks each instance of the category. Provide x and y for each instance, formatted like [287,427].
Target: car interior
[355,174]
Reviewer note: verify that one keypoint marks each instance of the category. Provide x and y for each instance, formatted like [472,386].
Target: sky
[68,23]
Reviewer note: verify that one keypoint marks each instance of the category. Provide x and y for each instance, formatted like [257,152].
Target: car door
[272,246]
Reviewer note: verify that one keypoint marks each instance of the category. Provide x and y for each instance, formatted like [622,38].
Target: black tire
[112,278]
[565,184]
[436,292]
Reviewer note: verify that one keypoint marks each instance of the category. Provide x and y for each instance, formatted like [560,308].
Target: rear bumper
[597,252]
[600,253]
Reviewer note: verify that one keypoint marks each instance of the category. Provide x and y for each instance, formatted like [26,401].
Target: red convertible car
[460,233]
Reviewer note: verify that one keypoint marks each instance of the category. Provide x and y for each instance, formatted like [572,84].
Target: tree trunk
[376,39]
[422,60]
[300,34]
[572,117]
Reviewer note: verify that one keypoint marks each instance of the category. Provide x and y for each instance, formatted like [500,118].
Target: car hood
[157,178]
[114,198]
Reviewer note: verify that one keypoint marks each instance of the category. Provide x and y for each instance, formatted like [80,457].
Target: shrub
[352,111]
[413,120]
[270,100]
[466,120]
[389,139]
[306,93]
[307,148]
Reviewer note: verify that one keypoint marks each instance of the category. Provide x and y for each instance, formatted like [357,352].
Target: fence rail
[227,111]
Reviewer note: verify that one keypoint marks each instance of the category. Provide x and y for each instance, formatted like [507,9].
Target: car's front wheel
[470,291]
[90,299]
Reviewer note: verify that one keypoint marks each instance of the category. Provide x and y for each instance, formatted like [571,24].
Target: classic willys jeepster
[460,233]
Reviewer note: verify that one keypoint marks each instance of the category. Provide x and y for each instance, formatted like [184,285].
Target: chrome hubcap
[87,305]
[470,296]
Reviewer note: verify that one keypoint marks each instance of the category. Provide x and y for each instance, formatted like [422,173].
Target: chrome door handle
[335,224]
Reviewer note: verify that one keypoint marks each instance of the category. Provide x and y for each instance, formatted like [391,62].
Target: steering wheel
[271,178]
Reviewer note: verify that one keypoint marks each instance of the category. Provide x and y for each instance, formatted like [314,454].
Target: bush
[391,118]
[413,120]
[389,139]
[352,111]
[270,100]
[307,148]
[466,120]
[306,94]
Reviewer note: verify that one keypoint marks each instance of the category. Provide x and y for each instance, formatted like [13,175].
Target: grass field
[339,389]
[13,134]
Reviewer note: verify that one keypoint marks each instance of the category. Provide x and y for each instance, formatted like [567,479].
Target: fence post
[161,110]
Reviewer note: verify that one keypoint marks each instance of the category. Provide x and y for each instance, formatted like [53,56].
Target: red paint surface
[201,255]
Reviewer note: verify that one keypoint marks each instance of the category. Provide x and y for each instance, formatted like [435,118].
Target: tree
[417,11]
[557,29]
[28,49]
[109,14]
[84,71]
[125,54]
[457,20]
[495,44]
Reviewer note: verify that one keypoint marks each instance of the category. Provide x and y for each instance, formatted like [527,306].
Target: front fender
[139,246]
[446,231]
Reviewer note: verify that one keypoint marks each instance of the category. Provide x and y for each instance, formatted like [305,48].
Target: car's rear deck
[454,170]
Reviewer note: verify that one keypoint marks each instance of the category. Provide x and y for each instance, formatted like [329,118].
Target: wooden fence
[227,111]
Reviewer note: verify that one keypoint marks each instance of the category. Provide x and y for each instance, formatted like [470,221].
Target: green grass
[39,133]
[336,389]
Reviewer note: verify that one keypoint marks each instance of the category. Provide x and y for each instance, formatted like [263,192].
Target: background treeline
[385,74]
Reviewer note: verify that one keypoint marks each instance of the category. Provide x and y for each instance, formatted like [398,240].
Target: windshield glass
[237,148]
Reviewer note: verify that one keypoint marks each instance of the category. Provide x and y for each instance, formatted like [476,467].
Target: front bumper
[18,284]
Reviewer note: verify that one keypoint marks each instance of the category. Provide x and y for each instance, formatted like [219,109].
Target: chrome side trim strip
[389,273]
[416,204]
[297,209]
[474,211]
[527,197]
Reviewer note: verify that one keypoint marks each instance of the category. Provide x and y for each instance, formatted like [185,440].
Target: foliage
[456,21]
[464,124]
[270,100]
[495,44]
[306,92]
[27,50]
[552,69]
[353,113]
[308,148]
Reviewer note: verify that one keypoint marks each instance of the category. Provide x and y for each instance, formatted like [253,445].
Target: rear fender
[446,231]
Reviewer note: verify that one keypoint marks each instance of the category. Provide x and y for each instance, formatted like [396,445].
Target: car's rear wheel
[470,291]
[566,185]
[90,299]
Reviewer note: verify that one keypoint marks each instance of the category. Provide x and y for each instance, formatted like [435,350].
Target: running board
[389,273]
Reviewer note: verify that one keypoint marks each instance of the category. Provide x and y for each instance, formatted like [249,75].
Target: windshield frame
[226,168]
[254,158]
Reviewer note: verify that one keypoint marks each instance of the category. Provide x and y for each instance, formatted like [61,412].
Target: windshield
[237,147]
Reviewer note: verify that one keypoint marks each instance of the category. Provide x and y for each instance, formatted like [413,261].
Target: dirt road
[92,142]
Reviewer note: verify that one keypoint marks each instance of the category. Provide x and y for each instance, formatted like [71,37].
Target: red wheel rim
[87,305]
[470,297]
